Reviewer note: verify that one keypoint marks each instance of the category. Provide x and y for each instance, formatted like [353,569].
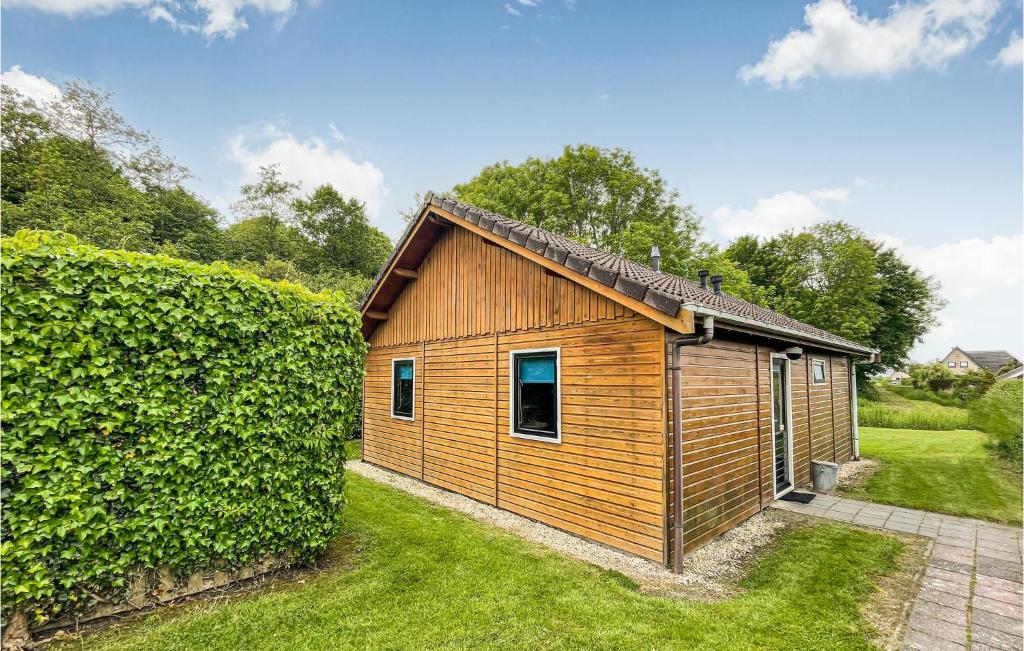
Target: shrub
[934,377]
[159,413]
[973,384]
[999,414]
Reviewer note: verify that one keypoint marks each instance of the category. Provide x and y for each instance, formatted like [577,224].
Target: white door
[782,444]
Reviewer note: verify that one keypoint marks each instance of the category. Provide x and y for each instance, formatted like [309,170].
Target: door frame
[789,419]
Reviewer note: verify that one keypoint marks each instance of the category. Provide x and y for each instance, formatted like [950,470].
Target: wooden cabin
[524,370]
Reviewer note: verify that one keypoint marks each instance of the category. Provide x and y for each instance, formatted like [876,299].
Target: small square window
[403,379]
[952,365]
[535,394]
[963,364]
[818,371]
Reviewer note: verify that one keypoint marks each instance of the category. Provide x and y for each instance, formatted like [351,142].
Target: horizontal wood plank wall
[764,392]
[801,423]
[605,480]
[720,437]
[841,408]
[822,432]
[392,442]
[727,429]
[458,421]
[467,287]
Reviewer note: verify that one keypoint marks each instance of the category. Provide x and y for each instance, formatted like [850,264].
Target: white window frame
[952,365]
[789,419]
[512,395]
[824,372]
[392,396]
[964,364]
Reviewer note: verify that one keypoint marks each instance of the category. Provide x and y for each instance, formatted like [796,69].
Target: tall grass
[944,399]
[880,414]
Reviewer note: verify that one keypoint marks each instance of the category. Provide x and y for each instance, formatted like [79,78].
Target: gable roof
[992,360]
[633,284]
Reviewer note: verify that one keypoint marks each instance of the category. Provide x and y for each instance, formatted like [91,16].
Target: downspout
[853,398]
[677,435]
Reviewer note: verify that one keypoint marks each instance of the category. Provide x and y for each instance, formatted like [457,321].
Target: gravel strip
[852,473]
[709,573]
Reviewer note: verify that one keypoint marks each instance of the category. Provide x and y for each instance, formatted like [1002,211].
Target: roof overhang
[752,326]
[437,215]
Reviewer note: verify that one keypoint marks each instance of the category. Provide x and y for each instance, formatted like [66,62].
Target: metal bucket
[824,475]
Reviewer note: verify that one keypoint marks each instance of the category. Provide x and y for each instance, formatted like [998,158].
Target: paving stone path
[971,595]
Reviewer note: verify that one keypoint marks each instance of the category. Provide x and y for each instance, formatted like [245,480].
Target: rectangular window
[403,377]
[818,371]
[952,365]
[963,364]
[535,394]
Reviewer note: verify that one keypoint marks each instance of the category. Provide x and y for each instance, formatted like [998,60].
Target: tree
[76,165]
[270,196]
[182,219]
[908,302]
[604,199]
[835,278]
[826,276]
[259,239]
[595,196]
[57,183]
[341,233]
[86,112]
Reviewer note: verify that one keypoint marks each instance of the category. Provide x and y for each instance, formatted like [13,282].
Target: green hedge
[162,414]
[999,414]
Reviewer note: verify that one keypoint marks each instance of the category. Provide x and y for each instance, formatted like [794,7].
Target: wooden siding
[401,445]
[468,287]
[605,479]
[727,432]
[458,416]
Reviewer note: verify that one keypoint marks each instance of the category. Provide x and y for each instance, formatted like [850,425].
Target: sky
[904,120]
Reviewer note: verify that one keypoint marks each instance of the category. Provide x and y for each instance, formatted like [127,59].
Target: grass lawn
[948,472]
[424,577]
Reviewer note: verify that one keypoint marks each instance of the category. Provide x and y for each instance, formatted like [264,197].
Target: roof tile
[663,291]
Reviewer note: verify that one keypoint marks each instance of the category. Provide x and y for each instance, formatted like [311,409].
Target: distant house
[961,361]
[527,371]
[897,377]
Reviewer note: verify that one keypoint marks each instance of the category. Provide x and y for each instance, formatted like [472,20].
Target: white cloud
[770,216]
[337,135]
[1013,53]
[509,9]
[35,88]
[529,3]
[311,162]
[840,42]
[983,282]
[968,268]
[212,17]
[830,194]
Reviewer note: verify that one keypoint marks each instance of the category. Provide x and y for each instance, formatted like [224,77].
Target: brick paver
[972,592]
